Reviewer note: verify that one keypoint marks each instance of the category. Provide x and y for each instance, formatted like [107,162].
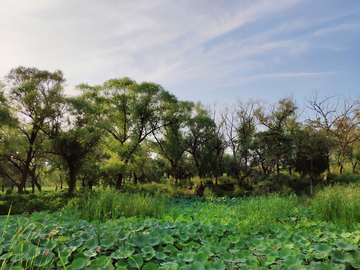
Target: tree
[240,123]
[339,117]
[311,148]
[129,112]
[73,146]
[199,139]
[36,98]
[170,143]
[274,145]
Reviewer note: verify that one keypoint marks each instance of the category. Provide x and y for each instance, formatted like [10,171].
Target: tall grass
[249,212]
[105,204]
[339,204]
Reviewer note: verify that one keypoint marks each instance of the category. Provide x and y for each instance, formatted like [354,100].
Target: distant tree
[274,147]
[240,123]
[201,132]
[311,153]
[339,117]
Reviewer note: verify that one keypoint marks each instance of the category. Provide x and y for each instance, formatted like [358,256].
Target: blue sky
[199,50]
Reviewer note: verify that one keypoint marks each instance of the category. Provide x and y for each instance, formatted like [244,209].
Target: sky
[200,50]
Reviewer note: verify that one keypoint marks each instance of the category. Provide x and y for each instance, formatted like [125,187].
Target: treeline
[125,131]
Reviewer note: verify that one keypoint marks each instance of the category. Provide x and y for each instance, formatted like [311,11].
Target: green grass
[248,213]
[105,204]
[339,204]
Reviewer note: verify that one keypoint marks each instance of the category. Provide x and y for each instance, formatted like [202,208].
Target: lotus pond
[256,233]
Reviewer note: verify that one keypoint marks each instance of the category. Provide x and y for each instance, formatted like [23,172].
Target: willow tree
[36,99]
[129,112]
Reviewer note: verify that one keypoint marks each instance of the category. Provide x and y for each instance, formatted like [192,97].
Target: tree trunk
[341,168]
[21,186]
[354,167]
[135,179]
[119,181]
[72,181]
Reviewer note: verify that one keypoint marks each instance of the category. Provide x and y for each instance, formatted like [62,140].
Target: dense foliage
[124,132]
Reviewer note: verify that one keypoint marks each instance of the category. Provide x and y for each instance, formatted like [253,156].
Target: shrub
[209,193]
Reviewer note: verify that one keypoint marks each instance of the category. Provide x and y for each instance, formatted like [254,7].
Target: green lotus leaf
[62,239]
[227,257]
[270,252]
[224,243]
[170,265]
[123,235]
[118,255]
[78,263]
[90,253]
[341,256]
[323,248]
[150,266]
[201,258]
[356,264]
[194,266]
[259,237]
[260,247]
[184,237]
[187,257]
[205,250]
[346,245]
[330,266]
[291,260]
[169,248]
[154,241]
[105,262]
[91,244]
[140,240]
[136,227]
[217,265]
[174,254]
[16,268]
[122,263]
[285,252]
[234,239]
[168,239]
[160,256]
[135,261]
[240,244]
[147,249]
[297,267]
[107,243]
[75,243]
[43,260]
[122,268]
[65,252]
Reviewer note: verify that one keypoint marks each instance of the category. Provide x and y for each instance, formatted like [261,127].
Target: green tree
[170,143]
[74,145]
[37,100]
[129,112]
[274,146]
[311,148]
[199,138]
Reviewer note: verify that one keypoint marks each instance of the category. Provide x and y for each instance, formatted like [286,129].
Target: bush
[209,193]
